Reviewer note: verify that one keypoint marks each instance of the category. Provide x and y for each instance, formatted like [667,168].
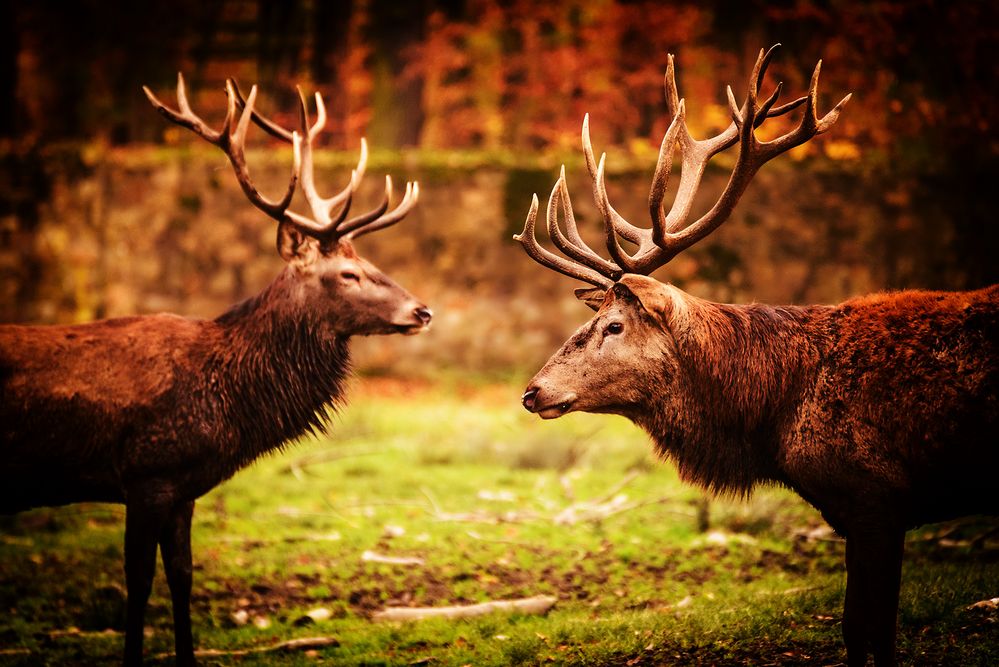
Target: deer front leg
[175,546]
[873,577]
[142,527]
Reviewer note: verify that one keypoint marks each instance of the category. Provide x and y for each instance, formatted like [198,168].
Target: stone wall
[118,232]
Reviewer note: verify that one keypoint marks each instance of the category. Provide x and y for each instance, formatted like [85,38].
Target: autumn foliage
[507,73]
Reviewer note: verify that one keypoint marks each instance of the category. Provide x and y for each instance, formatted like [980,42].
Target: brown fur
[882,411]
[155,411]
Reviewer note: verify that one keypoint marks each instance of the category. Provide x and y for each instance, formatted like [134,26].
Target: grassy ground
[497,505]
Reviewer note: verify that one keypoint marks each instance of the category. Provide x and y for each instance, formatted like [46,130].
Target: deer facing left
[881,412]
[155,411]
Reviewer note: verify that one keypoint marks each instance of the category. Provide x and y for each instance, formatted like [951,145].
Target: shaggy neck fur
[280,373]
[742,370]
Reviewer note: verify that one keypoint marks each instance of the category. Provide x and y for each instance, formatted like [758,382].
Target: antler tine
[546,258]
[232,139]
[363,219]
[326,224]
[573,246]
[571,229]
[810,124]
[185,116]
[323,223]
[753,154]
[378,219]
[669,84]
[696,154]
[617,253]
[235,141]
[664,165]
[322,208]
[265,124]
[760,68]
[670,233]
[623,227]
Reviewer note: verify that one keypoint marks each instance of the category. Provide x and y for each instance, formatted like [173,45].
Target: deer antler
[670,233]
[231,138]
[586,265]
[325,224]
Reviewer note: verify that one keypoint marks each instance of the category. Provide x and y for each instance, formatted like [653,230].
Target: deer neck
[742,373]
[280,371]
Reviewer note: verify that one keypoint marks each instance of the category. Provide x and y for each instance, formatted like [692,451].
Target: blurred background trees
[498,73]
[481,99]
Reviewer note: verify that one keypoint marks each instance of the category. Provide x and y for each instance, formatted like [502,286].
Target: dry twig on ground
[539,604]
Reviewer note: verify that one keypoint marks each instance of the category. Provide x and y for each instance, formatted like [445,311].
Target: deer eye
[614,328]
[349,276]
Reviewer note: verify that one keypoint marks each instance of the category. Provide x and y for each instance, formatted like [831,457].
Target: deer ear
[294,246]
[591,296]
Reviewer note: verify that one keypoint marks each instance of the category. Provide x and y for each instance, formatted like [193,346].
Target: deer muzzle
[423,314]
[545,404]
[415,320]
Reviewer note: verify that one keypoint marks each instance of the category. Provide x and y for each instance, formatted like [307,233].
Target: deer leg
[175,546]
[873,577]
[142,525]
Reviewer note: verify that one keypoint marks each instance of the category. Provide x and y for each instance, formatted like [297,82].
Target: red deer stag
[155,411]
[881,411]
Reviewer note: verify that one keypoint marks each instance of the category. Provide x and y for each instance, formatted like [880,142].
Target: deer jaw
[611,363]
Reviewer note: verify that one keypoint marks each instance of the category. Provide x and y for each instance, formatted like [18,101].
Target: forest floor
[481,501]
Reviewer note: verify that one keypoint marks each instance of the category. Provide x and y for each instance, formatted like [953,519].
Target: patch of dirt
[366,590]
[590,577]
[758,653]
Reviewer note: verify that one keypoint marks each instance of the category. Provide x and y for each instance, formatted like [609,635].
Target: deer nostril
[423,314]
[529,396]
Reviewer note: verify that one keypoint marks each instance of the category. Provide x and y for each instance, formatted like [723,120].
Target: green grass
[642,586]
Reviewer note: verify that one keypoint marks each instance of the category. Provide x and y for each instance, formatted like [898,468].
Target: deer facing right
[155,411]
[882,412]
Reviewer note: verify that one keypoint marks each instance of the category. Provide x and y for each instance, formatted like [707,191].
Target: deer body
[903,412]
[91,409]
[896,390]
[882,412]
[155,411]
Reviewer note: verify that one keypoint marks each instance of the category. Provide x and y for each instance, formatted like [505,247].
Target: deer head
[325,276]
[609,364]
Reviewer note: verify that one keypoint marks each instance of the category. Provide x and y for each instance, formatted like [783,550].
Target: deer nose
[528,398]
[423,314]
